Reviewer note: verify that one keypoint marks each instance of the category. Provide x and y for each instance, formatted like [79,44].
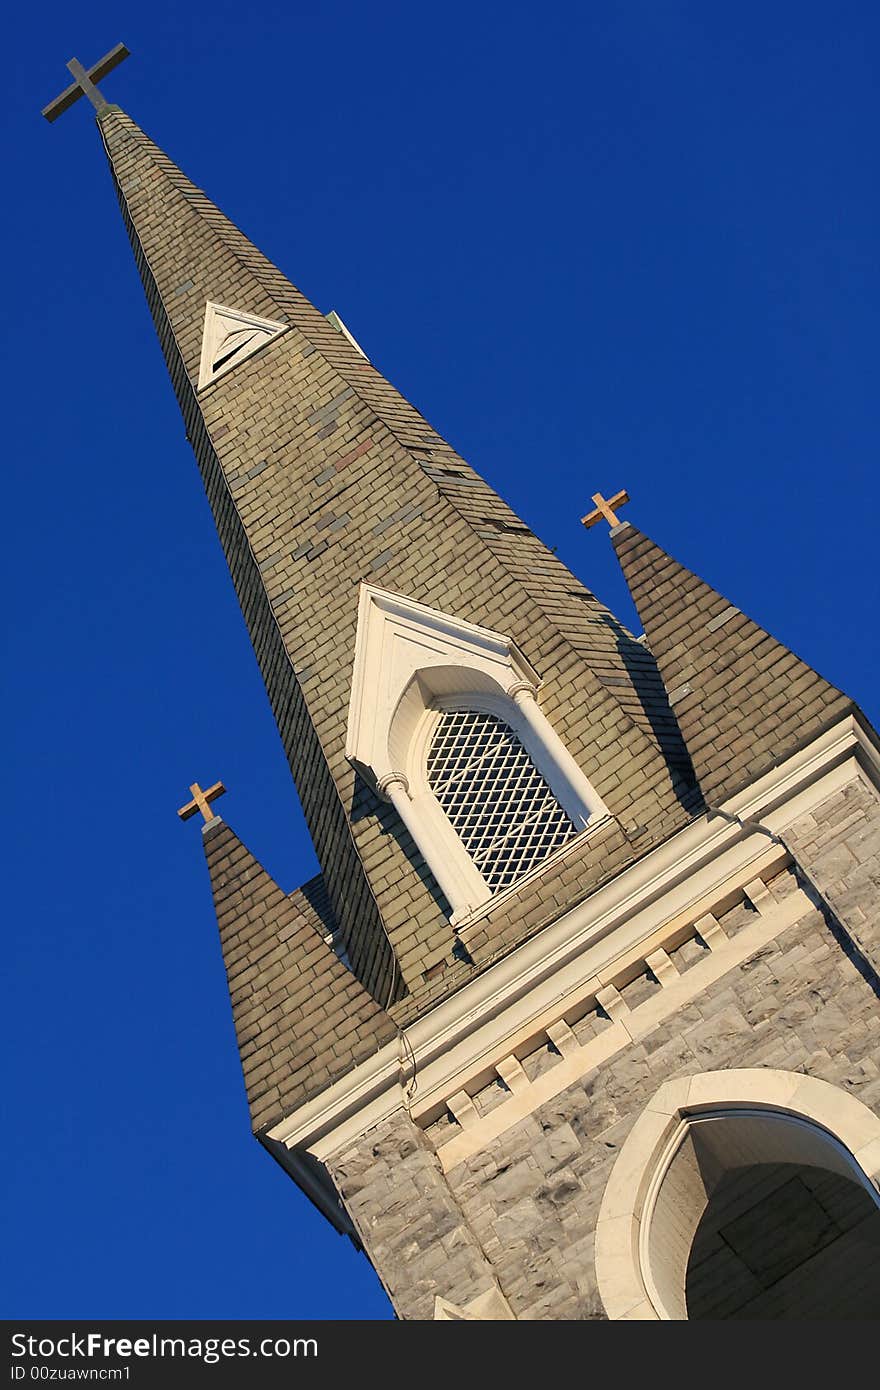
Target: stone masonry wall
[410,1221]
[528,1203]
[839,847]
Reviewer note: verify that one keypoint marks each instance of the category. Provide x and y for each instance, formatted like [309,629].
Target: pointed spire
[301,1018]
[322,477]
[743,701]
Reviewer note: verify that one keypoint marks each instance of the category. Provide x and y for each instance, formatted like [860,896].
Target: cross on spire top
[606,508]
[84,83]
[201,801]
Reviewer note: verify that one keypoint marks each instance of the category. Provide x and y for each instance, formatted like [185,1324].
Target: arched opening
[761,1214]
[744,1194]
[785,1240]
[491,793]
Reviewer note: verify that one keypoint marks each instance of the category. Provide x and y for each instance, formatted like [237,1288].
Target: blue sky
[625,244]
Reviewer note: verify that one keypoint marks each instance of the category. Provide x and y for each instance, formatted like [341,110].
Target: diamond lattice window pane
[503,811]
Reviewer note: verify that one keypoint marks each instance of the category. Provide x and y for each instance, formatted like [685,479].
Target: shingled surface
[301,1018]
[743,701]
[320,475]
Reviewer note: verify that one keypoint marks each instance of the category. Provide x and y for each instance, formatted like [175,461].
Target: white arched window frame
[412,663]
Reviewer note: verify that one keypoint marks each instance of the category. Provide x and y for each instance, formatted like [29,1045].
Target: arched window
[496,800]
[445,723]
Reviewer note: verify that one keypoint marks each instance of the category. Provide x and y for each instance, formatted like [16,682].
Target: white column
[573,788]
[396,787]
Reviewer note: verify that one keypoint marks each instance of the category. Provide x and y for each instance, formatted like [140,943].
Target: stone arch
[659,1188]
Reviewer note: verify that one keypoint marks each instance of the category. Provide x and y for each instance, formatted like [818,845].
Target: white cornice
[524,984]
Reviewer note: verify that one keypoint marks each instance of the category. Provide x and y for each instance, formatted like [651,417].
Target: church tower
[579,1018]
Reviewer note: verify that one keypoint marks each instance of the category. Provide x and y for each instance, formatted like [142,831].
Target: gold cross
[606,509]
[84,83]
[201,801]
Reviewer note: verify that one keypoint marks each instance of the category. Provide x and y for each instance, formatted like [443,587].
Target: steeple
[323,479]
[543,1011]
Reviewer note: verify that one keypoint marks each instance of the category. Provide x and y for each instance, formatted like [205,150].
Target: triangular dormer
[230,337]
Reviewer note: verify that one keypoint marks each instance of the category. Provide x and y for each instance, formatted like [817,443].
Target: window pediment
[406,655]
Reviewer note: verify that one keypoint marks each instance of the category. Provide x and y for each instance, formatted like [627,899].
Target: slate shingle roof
[301,1018]
[742,700]
[321,475]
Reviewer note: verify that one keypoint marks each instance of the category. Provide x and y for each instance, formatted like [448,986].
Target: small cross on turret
[201,801]
[606,508]
[84,83]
